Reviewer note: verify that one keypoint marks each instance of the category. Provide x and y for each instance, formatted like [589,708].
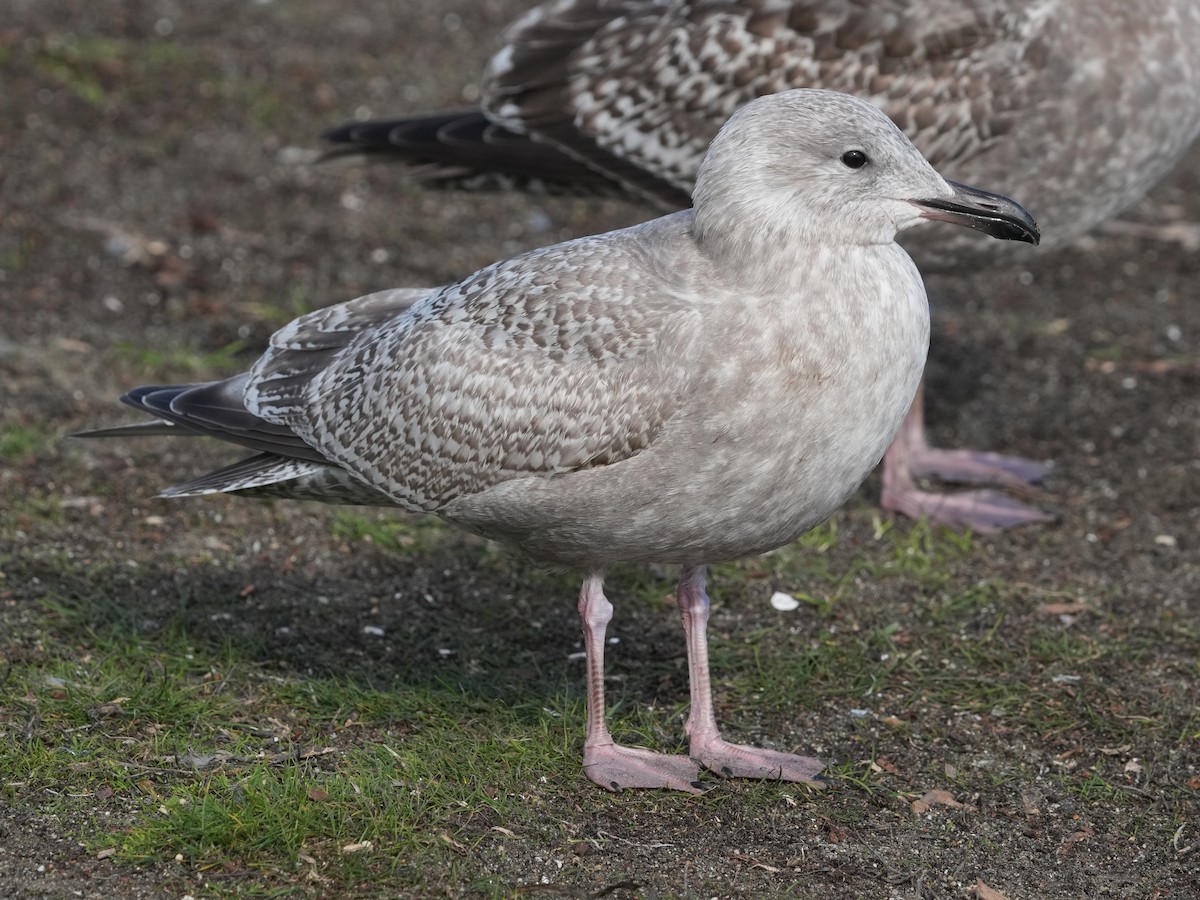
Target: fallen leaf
[1077,837]
[106,853]
[461,848]
[105,710]
[354,848]
[147,787]
[73,346]
[317,795]
[1029,802]
[754,864]
[886,765]
[983,892]
[938,797]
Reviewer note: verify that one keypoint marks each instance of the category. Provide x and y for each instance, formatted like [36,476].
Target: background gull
[1076,106]
[702,387]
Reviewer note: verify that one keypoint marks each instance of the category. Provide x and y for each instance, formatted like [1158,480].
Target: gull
[701,387]
[1077,106]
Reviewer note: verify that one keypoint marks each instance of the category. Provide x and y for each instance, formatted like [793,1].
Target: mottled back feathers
[1077,107]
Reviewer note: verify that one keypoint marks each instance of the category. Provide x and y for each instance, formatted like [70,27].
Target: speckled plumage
[584,402]
[1076,106]
[705,386]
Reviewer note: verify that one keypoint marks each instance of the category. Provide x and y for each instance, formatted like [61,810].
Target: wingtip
[137,429]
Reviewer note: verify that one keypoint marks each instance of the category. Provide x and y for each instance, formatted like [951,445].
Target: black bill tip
[993,214]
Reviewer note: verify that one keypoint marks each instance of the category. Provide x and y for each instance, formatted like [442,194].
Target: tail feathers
[254,472]
[465,150]
[138,429]
[279,471]
[267,475]
[217,409]
[284,466]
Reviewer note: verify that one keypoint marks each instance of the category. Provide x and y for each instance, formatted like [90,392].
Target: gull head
[825,167]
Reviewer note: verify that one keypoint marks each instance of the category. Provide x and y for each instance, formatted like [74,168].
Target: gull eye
[854,159]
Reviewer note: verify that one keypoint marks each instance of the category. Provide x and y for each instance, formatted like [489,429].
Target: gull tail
[284,464]
[466,151]
[285,467]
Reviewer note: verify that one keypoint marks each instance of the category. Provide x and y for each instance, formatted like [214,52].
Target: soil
[152,198]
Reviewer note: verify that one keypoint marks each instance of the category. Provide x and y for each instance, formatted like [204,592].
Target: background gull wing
[637,89]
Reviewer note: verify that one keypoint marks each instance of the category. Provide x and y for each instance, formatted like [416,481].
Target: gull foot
[615,768]
[739,761]
[975,467]
[984,512]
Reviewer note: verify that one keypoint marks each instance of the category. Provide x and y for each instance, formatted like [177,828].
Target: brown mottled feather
[1053,101]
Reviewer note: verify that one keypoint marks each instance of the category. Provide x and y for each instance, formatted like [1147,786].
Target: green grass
[174,745]
[17,441]
[391,531]
[420,784]
[918,552]
[80,65]
[28,511]
[276,313]
[104,70]
[200,752]
[178,362]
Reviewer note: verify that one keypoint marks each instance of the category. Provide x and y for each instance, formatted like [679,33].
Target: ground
[224,698]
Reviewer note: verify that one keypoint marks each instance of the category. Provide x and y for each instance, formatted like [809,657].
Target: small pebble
[784,602]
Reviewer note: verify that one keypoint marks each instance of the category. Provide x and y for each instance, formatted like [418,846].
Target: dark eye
[855,159]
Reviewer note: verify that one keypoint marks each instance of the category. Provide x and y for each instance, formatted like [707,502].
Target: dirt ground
[150,197]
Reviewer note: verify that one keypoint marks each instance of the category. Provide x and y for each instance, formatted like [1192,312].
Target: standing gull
[1077,106]
[701,387]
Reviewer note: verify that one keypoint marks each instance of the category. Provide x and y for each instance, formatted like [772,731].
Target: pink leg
[605,762]
[910,457]
[707,745]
